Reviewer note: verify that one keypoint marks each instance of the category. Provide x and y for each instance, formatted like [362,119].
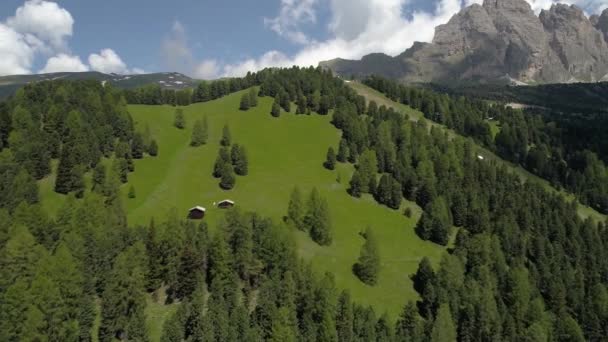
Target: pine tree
[123,300]
[153,148]
[239,160]
[343,152]
[77,180]
[295,210]
[63,180]
[330,161]
[355,185]
[245,102]
[276,109]
[137,146]
[99,178]
[318,221]
[396,195]
[253,98]
[131,192]
[344,317]
[226,137]
[228,178]
[223,158]
[179,120]
[443,327]
[198,134]
[368,265]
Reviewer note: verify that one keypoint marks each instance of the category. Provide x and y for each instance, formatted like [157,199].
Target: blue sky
[207,39]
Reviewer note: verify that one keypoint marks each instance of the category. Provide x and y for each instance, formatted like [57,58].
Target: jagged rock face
[602,24]
[579,45]
[504,39]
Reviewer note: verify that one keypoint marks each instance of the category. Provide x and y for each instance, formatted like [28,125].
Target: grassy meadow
[283,152]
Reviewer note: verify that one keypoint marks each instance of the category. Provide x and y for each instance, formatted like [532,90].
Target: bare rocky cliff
[501,40]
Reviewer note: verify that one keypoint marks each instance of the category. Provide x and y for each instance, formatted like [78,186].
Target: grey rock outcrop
[501,40]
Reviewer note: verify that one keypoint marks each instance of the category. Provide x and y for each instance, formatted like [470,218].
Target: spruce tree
[131,192]
[223,158]
[245,102]
[330,161]
[343,152]
[137,146]
[355,184]
[318,219]
[276,109]
[240,160]
[443,327]
[295,210]
[198,135]
[99,178]
[179,121]
[228,178]
[124,298]
[226,136]
[253,97]
[63,180]
[153,148]
[368,265]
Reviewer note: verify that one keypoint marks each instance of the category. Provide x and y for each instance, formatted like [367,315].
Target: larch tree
[179,120]
[198,134]
[253,98]
[330,160]
[368,265]
[295,209]
[245,102]
[226,136]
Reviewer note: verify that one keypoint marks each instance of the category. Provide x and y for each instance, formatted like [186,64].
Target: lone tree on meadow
[228,178]
[226,137]
[179,121]
[253,97]
[223,158]
[238,155]
[368,265]
[330,161]
[276,109]
[295,209]
[153,148]
[245,102]
[317,220]
[199,134]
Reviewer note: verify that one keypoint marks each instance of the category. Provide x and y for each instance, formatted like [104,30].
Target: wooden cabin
[196,213]
[225,204]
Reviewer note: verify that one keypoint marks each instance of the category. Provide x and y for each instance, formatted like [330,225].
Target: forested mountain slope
[284,264]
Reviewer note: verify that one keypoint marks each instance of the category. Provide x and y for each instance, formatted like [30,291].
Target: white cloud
[292,14]
[64,63]
[206,70]
[43,20]
[138,71]
[107,61]
[17,54]
[175,50]
[42,28]
[360,27]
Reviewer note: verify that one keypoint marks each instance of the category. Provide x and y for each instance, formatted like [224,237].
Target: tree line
[523,262]
[566,149]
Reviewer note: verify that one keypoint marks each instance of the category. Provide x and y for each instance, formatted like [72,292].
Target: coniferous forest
[520,264]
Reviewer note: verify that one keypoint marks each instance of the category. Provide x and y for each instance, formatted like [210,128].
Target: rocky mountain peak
[602,24]
[515,6]
[503,39]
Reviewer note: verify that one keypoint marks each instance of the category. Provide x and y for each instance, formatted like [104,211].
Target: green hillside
[283,152]
[373,95]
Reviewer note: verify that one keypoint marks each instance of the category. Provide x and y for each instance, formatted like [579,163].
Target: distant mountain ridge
[500,41]
[167,80]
